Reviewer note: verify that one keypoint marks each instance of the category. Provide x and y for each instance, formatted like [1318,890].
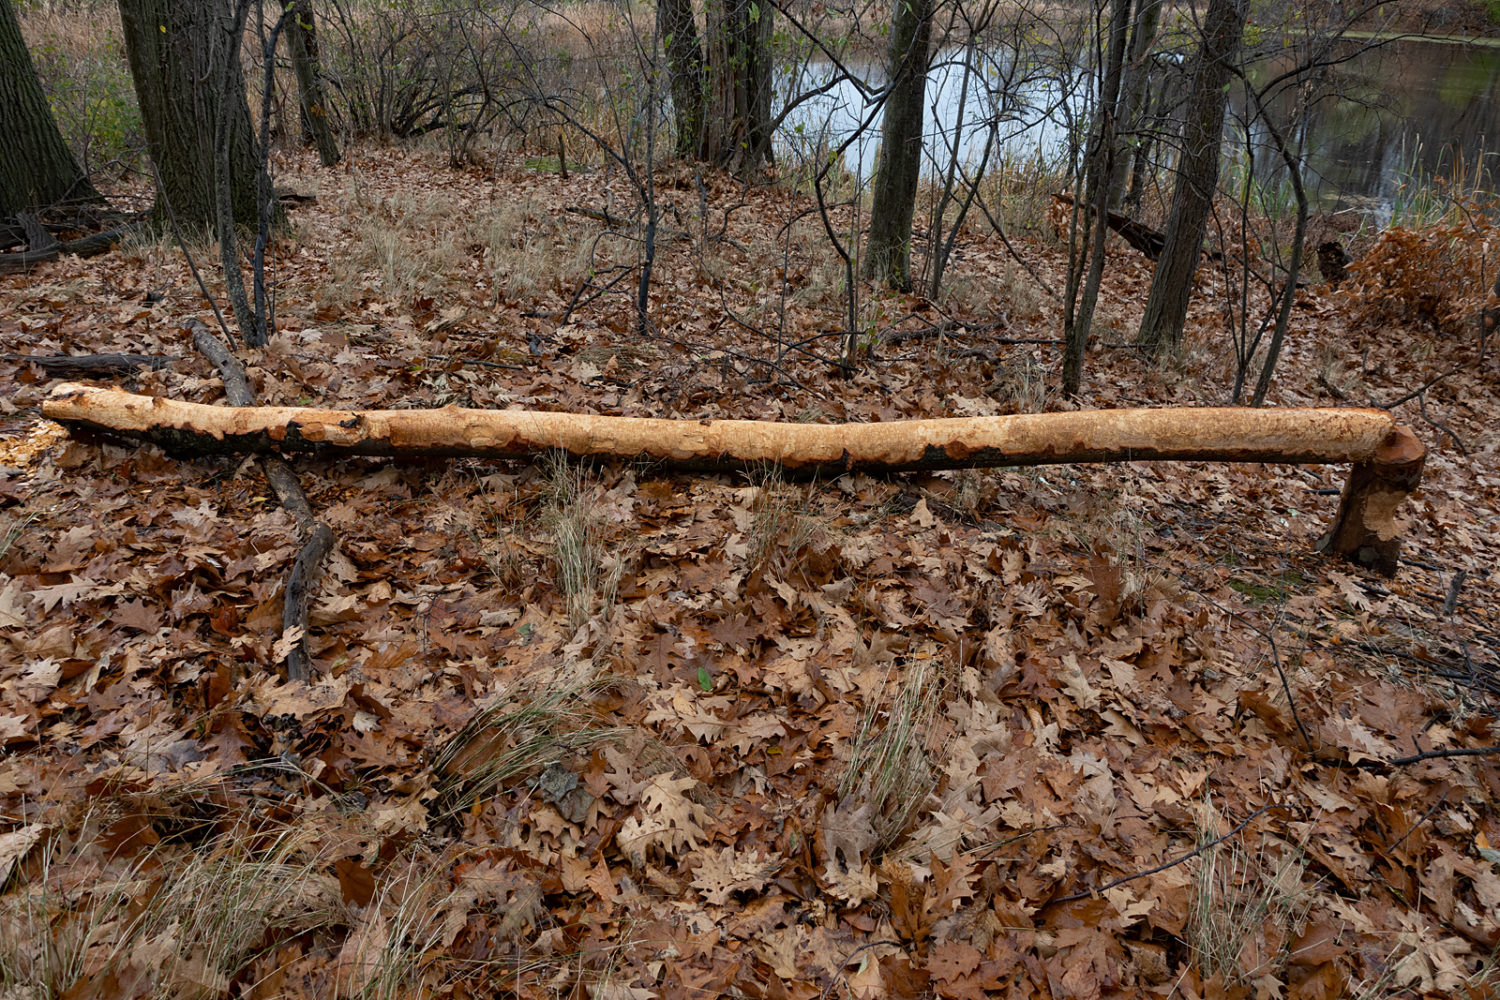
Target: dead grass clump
[588,574]
[1246,907]
[890,767]
[529,728]
[775,518]
[403,247]
[1020,385]
[527,252]
[172,923]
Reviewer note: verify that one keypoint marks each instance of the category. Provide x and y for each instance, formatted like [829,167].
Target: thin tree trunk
[888,247]
[1100,169]
[1197,178]
[1294,265]
[36,167]
[686,74]
[1133,100]
[302,42]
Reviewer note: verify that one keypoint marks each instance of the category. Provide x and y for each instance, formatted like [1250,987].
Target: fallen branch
[1387,457]
[317,537]
[1443,754]
[1139,235]
[88,246]
[91,365]
[663,233]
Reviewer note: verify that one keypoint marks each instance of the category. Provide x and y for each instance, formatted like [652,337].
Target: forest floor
[619,732]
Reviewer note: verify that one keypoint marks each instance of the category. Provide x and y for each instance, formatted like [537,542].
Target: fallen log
[92,365]
[1142,237]
[1386,456]
[88,246]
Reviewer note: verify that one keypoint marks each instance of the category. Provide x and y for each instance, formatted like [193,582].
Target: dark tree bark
[178,53]
[686,74]
[1101,160]
[302,42]
[738,123]
[888,248]
[36,167]
[1197,177]
[1133,99]
[721,88]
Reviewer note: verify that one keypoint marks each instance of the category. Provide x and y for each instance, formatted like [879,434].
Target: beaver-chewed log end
[1366,531]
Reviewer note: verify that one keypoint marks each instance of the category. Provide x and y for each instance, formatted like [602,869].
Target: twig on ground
[1420,820]
[1074,897]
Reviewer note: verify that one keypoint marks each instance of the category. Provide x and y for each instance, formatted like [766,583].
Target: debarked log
[1386,456]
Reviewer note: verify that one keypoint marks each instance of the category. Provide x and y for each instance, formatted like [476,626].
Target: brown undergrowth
[616,732]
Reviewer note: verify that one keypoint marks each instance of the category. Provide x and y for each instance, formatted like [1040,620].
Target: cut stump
[1366,530]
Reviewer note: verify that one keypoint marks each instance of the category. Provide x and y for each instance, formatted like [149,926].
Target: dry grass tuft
[587,572]
[890,766]
[526,729]
[171,924]
[1245,907]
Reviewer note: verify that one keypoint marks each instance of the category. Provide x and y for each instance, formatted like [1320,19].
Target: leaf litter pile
[614,731]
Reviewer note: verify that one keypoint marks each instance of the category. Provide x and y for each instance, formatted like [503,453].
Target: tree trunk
[302,42]
[1133,100]
[686,75]
[738,124]
[888,248]
[37,169]
[1101,160]
[177,56]
[1197,177]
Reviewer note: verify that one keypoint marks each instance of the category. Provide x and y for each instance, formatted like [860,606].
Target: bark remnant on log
[1365,530]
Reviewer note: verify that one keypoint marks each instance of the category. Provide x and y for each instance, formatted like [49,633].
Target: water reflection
[1405,110]
[1367,126]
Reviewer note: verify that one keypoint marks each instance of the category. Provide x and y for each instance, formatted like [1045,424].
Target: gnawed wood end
[1366,531]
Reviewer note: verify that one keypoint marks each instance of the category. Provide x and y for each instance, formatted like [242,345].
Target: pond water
[1402,110]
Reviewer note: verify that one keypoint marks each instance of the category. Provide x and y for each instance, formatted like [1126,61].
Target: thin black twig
[1286,686]
[1438,754]
[1420,820]
[1087,893]
[851,957]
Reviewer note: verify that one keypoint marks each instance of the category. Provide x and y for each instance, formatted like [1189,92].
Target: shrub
[1440,274]
[87,79]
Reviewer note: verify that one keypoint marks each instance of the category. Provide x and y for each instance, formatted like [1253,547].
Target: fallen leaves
[1108,660]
